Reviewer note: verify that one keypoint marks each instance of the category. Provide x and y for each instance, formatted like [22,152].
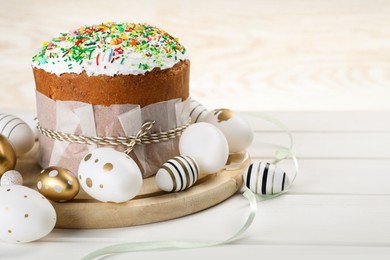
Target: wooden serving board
[151,205]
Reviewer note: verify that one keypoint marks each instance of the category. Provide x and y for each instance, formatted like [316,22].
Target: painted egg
[11,177]
[197,111]
[109,175]
[25,215]
[265,178]
[207,145]
[7,155]
[177,174]
[57,184]
[18,132]
[237,130]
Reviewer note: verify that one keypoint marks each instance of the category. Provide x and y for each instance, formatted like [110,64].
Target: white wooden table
[339,205]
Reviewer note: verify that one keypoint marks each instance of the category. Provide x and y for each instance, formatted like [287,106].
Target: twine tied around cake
[143,136]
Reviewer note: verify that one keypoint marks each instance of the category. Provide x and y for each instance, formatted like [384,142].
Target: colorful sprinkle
[116,40]
[97,59]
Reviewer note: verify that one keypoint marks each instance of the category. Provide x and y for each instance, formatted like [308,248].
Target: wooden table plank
[41,250]
[324,145]
[323,220]
[340,177]
[328,220]
[323,121]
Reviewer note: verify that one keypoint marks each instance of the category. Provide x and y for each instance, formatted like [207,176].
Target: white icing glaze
[158,51]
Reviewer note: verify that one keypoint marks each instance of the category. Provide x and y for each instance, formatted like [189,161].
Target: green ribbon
[155,245]
[280,155]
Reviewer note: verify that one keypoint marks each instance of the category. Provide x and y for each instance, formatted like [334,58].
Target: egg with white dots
[207,145]
[11,177]
[265,178]
[197,111]
[25,215]
[58,184]
[237,130]
[18,132]
[108,175]
[177,174]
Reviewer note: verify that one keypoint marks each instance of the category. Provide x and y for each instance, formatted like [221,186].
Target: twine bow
[145,128]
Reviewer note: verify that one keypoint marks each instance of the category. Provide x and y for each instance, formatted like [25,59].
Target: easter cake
[107,80]
[113,63]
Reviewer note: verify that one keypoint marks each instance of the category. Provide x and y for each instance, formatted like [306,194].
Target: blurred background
[309,55]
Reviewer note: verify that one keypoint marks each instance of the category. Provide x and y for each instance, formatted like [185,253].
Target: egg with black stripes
[177,174]
[265,178]
[18,133]
[197,111]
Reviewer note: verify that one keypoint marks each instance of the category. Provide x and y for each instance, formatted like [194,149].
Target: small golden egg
[7,155]
[58,184]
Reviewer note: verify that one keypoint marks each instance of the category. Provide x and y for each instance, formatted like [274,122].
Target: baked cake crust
[143,89]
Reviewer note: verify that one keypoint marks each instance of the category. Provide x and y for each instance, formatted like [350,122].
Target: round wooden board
[151,205]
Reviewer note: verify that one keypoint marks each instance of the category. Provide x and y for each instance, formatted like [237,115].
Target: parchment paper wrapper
[80,118]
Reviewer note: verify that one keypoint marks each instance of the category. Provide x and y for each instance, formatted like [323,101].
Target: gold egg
[7,155]
[58,184]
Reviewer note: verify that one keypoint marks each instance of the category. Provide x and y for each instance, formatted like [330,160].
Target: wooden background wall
[246,55]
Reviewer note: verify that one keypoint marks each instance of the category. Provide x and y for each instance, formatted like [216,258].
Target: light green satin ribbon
[281,154]
[155,245]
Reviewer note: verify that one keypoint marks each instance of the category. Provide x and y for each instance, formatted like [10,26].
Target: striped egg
[18,133]
[197,111]
[177,174]
[265,178]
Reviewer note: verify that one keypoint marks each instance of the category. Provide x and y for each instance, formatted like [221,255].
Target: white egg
[177,174]
[237,130]
[109,175]
[265,178]
[11,177]
[25,215]
[197,111]
[207,145]
[18,132]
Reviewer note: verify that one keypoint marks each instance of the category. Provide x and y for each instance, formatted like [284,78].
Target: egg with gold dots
[25,215]
[236,128]
[109,175]
[58,184]
[7,155]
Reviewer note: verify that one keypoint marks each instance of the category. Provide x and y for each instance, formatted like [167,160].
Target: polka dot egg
[25,214]
[109,175]
[57,184]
